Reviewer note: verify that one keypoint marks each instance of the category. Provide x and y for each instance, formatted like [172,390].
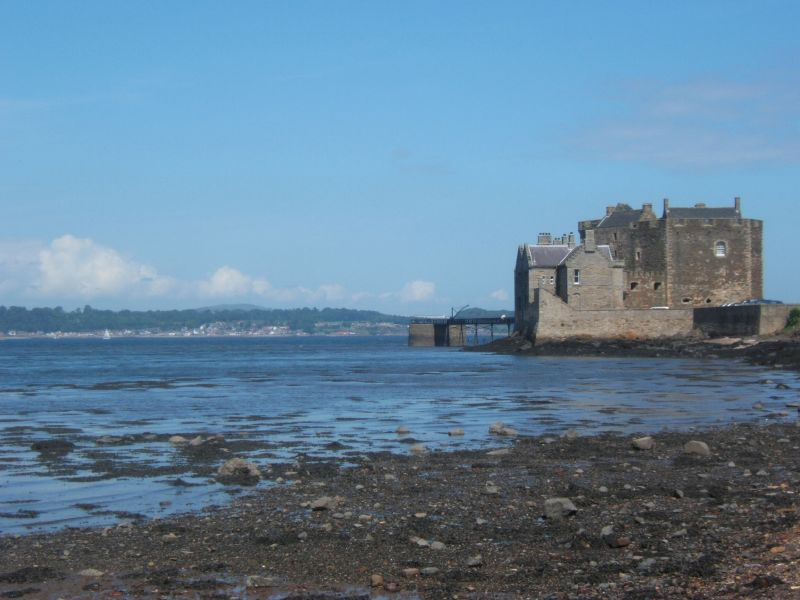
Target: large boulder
[644,443]
[696,447]
[558,508]
[238,470]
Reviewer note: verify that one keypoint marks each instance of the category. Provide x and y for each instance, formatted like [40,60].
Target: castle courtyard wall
[555,320]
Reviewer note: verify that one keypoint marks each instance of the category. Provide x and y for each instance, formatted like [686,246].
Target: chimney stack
[609,210]
[571,240]
[647,211]
[666,207]
[589,244]
[737,203]
[545,239]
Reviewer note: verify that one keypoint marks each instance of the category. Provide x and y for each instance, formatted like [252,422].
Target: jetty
[453,331]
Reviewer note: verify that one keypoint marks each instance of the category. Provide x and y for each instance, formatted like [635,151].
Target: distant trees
[48,320]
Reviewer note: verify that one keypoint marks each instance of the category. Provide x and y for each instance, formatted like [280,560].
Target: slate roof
[548,256]
[604,250]
[620,218]
[702,213]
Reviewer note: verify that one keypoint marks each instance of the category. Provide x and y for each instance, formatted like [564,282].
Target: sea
[283,400]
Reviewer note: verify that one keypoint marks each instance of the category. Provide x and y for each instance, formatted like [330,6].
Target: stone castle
[635,274]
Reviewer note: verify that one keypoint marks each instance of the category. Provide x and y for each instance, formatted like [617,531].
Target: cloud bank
[72,268]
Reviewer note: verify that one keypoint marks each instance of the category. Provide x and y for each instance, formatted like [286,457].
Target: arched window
[720,249]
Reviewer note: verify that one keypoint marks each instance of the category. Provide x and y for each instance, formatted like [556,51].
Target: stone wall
[430,334]
[421,334]
[755,319]
[642,246]
[598,284]
[555,320]
[697,277]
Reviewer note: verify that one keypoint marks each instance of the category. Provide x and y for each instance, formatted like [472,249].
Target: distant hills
[238,316]
[88,319]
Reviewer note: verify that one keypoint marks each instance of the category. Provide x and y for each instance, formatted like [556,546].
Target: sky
[381,155]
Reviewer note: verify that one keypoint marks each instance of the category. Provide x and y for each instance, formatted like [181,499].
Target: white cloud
[71,268]
[228,282]
[417,291]
[499,295]
[74,267]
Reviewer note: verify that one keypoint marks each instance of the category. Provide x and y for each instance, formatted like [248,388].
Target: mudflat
[551,517]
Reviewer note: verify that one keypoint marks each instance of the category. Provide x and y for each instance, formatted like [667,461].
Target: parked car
[756,301]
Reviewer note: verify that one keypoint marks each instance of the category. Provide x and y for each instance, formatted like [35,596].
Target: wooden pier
[452,331]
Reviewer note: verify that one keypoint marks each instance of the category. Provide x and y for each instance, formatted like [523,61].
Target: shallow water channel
[274,399]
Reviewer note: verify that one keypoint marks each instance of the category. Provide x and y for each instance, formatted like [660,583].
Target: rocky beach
[575,512]
[703,514]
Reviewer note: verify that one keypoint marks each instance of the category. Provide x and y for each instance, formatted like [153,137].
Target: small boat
[107,335]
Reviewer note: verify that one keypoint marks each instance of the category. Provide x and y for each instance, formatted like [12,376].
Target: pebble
[256,581]
[480,521]
[91,573]
[456,431]
[678,494]
[475,561]
[696,447]
[499,452]
[177,439]
[437,546]
[602,489]
[420,515]
[411,572]
[325,503]
[418,449]
[646,565]
[500,428]
[429,571]
[169,537]
[679,533]
[238,468]
[571,434]
[644,443]
[376,580]
[557,508]
[402,429]
[491,489]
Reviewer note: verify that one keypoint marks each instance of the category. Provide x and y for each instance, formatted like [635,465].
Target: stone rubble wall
[555,320]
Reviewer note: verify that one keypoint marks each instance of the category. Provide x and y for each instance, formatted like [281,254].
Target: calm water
[278,398]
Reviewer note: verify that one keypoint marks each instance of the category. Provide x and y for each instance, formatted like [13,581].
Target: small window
[657,285]
[720,249]
[577,277]
[638,255]
[543,280]
[634,285]
[551,280]
[615,236]
[686,300]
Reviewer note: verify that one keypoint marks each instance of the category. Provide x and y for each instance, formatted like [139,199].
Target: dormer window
[720,249]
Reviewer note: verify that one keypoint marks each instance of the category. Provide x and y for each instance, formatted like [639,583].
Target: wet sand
[464,524]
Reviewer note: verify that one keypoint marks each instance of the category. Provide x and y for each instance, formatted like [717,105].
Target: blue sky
[372,154]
